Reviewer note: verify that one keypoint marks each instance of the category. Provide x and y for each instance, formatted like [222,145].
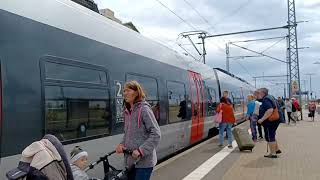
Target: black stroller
[110,172]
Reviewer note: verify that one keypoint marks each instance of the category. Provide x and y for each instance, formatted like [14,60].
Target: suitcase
[243,139]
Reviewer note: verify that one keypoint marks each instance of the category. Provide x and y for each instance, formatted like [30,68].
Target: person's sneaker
[279,151]
[230,146]
[260,138]
[220,145]
[271,156]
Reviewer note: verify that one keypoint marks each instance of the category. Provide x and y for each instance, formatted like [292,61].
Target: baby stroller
[43,160]
[110,172]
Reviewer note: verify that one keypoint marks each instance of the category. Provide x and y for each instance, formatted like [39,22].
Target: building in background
[108,13]
[90,4]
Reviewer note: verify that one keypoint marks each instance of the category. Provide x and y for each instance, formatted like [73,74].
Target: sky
[156,20]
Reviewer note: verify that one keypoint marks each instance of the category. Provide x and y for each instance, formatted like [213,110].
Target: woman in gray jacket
[141,132]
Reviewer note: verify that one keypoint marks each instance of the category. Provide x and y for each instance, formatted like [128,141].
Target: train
[62,72]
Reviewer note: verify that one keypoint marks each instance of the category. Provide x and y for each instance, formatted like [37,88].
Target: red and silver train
[62,72]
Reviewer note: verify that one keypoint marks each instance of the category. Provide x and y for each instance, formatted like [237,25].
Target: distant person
[269,104]
[228,120]
[312,109]
[295,108]
[252,115]
[141,132]
[288,106]
[226,95]
[78,161]
[256,110]
[282,108]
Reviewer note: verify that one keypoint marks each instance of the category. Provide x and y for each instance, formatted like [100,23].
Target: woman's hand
[260,121]
[135,154]
[120,148]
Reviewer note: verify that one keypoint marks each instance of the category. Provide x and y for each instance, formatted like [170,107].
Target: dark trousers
[140,174]
[290,117]
[260,130]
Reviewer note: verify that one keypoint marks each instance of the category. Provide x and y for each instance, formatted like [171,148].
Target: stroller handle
[91,166]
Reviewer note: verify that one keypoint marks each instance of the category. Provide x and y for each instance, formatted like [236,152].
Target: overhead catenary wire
[183,20]
[234,12]
[272,45]
[259,53]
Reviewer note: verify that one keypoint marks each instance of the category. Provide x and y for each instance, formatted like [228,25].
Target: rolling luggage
[243,139]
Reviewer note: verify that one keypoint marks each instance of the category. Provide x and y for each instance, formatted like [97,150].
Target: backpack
[42,160]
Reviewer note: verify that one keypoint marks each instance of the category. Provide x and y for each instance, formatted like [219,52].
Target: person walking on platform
[295,108]
[282,108]
[268,108]
[288,106]
[312,109]
[228,119]
[141,132]
[256,110]
[252,115]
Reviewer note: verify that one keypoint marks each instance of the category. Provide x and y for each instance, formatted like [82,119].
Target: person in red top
[228,120]
[312,109]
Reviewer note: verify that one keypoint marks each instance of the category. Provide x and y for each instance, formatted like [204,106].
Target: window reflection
[150,87]
[177,102]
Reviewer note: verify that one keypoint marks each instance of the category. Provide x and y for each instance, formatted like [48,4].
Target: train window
[177,101]
[150,86]
[74,73]
[237,102]
[73,113]
[211,101]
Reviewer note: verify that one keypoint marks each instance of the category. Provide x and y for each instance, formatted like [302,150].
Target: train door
[197,106]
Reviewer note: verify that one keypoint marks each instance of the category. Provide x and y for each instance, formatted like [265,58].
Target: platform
[300,159]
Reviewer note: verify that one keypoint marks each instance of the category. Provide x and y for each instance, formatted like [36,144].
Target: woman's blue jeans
[140,174]
[222,127]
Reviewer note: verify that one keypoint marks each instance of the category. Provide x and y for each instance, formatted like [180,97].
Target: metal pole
[293,48]
[228,57]
[250,31]
[310,86]
[204,52]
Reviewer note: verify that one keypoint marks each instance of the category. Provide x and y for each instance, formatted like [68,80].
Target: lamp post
[310,74]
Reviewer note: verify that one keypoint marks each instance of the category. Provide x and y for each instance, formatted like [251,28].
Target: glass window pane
[73,73]
[212,101]
[73,113]
[177,102]
[150,88]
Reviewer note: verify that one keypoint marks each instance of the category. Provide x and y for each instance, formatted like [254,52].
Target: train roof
[232,75]
[74,18]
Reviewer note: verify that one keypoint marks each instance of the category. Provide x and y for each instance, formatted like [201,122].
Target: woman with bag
[226,113]
[269,117]
[141,132]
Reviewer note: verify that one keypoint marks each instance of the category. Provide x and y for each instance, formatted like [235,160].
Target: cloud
[158,23]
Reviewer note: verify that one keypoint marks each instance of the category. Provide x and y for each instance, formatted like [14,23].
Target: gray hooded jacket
[141,133]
